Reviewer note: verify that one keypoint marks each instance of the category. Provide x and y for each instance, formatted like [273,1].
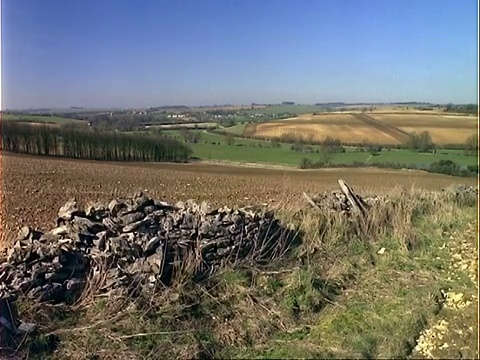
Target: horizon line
[284,103]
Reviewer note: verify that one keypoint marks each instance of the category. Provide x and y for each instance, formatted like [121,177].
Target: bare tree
[229,139]
[326,155]
[471,145]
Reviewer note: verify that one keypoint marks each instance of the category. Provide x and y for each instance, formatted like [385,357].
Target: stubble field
[445,129]
[33,188]
[381,128]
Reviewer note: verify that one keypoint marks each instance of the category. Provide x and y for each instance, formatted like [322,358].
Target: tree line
[465,108]
[423,143]
[79,143]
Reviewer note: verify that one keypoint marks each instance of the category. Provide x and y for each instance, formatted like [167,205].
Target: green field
[39,119]
[236,129]
[249,151]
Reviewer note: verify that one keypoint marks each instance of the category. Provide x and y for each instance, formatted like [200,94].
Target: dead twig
[88,327]
[123,337]
[279,272]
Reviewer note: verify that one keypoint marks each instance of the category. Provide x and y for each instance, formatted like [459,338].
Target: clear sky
[114,53]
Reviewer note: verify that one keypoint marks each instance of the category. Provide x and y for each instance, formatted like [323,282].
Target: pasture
[213,146]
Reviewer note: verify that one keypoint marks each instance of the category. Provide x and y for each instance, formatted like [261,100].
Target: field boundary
[390,130]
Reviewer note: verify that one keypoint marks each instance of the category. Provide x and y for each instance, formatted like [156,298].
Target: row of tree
[423,143]
[89,144]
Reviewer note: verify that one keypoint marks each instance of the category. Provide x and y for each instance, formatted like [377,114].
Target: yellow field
[344,127]
[445,129]
[381,128]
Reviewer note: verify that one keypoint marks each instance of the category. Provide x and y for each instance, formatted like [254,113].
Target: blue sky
[113,53]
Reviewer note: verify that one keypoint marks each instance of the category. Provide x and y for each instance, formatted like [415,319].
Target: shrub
[306,163]
[420,142]
[276,144]
[473,168]
[447,167]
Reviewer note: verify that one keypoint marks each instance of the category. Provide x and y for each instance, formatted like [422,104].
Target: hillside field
[445,129]
[379,128]
[261,151]
[40,119]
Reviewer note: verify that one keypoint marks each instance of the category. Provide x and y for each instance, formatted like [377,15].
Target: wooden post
[311,202]
[352,198]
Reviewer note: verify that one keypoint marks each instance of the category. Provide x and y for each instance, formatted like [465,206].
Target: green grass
[410,157]
[250,152]
[393,299]
[236,129]
[391,305]
[280,156]
[39,119]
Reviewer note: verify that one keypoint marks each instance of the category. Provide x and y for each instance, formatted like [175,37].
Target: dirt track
[397,134]
[33,188]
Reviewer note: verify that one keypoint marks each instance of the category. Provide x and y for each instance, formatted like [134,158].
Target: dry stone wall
[136,243]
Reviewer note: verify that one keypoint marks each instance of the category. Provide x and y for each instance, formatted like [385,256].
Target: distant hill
[169,107]
[332,104]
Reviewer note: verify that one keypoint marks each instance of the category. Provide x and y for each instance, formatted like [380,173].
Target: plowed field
[33,188]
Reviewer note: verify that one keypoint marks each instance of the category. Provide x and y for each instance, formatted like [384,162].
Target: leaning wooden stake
[352,198]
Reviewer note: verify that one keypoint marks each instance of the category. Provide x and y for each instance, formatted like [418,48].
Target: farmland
[349,128]
[47,182]
[342,291]
[445,129]
[260,151]
[400,253]
[57,120]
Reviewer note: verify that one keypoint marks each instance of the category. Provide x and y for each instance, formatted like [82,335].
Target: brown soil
[33,188]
